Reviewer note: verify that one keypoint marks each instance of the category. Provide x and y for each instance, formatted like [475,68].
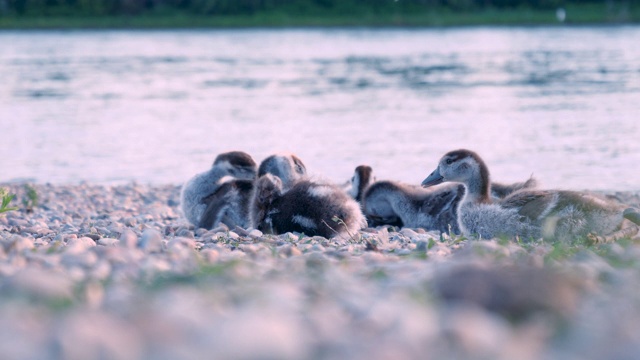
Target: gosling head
[288,167]
[266,190]
[360,181]
[463,166]
[237,164]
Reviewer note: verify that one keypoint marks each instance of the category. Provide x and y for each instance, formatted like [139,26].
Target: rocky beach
[116,272]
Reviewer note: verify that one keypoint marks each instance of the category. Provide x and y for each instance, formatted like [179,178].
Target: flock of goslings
[458,197]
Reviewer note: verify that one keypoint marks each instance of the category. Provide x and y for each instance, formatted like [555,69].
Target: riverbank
[91,271]
[583,14]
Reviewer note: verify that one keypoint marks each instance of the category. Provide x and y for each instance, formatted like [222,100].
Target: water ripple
[156,106]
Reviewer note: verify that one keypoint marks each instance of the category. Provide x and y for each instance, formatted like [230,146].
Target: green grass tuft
[6,199]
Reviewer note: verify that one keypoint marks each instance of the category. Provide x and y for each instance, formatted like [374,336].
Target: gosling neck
[479,186]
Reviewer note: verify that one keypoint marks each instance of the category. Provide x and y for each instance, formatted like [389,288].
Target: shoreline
[115,271]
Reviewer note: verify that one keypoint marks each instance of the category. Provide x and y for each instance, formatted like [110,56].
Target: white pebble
[77,245]
[108,242]
[255,233]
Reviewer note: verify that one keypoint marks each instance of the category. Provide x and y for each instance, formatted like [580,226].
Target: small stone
[102,230]
[249,249]
[183,232]
[151,241]
[130,221]
[255,233]
[42,283]
[94,295]
[219,236]
[220,228]
[288,251]
[95,237]
[17,244]
[84,259]
[200,232]
[523,290]
[128,239]
[68,228]
[316,260]
[145,217]
[80,244]
[182,242]
[37,230]
[409,233]
[240,231]
[97,335]
[18,222]
[101,270]
[233,235]
[318,247]
[162,211]
[108,242]
[421,246]
[210,255]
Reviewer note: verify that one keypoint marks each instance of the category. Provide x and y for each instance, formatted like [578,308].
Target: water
[156,106]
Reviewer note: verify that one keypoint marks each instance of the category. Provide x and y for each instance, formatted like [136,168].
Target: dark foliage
[248,7]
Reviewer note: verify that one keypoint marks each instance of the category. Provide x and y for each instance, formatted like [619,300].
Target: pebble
[77,245]
[128,239]
[240,231]
[289,250]
[255,233]
[18,222]
[210,255]
[151,241]
[42,284]
[408,233]
[182,242]
[84,259]
[17,244]
[523,290]
[221,228]
[108,242]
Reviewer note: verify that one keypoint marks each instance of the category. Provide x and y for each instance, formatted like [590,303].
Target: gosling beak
[434,179]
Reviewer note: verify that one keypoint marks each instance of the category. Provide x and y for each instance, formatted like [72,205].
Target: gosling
[308,207]
[529,214]
[402,205]
[202,189]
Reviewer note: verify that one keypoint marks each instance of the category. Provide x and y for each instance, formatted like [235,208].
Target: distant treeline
[248,7]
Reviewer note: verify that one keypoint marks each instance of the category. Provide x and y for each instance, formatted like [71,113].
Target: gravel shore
[116,272]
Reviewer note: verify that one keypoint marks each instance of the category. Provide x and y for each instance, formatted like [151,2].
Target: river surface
[561,103]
